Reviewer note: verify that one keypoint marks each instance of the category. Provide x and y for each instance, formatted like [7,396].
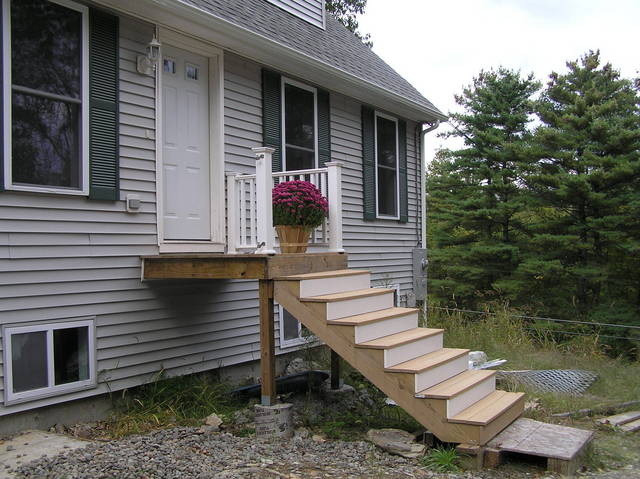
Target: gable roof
[335,45]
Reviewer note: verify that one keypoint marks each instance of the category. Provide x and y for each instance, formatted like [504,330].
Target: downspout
[423,199]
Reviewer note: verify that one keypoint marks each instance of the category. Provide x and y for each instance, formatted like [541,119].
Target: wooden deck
[238,266]
[264,268]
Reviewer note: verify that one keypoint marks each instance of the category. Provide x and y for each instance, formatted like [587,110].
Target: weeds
[165,402]
[441,459]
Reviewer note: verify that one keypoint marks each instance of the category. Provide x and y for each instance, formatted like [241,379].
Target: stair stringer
[431,413]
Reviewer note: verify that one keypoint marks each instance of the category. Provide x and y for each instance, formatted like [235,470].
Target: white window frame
[375,137]
[7,88]
[8,331]
[288,343]
[288,81]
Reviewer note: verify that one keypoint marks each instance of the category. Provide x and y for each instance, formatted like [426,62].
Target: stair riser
[379,329]
[437,374]
[405,352]
[340,284]
[464,400]
[352,307]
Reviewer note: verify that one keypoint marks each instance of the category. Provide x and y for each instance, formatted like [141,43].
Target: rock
[244,416]
[213,421]
[317,438]
[11,448]
[299,365]
[477,357]
[396,441]
[83,431]
[301,434]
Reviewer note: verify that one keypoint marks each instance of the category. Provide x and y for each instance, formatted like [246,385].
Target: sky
[439,46]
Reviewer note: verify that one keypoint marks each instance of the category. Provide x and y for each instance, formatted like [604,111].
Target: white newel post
[264,185]
[334,177]
[232,213]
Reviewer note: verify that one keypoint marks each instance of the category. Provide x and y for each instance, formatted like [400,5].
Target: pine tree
[585,248]
[475,193]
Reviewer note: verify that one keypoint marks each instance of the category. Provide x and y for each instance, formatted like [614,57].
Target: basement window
[292,332]
[48,359]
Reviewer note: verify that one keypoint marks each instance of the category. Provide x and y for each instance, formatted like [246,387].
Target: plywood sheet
[526,436]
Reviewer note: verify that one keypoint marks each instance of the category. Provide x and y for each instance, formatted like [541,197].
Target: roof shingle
[335,45]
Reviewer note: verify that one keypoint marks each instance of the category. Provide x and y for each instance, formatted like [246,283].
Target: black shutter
[272,115]
[402,162]
[324,128]
[368,164]
[103,107]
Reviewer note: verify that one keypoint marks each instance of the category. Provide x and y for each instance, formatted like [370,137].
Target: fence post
[334,190]
[264,185]
[232,213]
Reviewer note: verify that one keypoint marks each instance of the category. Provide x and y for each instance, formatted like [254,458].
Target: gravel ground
[189,453]
[186,453]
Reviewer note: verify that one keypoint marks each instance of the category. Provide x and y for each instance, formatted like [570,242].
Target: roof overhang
[229,36]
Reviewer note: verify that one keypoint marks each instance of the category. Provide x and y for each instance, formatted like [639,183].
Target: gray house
[128,130]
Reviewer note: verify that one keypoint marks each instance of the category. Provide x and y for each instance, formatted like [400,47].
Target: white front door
[186,205]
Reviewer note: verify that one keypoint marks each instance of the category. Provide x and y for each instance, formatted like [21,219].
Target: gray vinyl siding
[382,246]
[311,11]
[67,257]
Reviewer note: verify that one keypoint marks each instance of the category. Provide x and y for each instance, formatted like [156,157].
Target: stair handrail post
[232,212]
[264,185]
[334,188]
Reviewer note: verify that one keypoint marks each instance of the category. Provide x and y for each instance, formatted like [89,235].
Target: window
[292,331]
[386,150]
[300,130]
[45,81]
[44,360]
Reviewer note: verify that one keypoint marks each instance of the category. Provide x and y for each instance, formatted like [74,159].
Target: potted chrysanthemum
[298,208]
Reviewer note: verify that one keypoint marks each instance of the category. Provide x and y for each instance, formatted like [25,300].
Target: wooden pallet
[562,446]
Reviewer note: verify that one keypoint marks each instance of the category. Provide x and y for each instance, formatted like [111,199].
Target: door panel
[185,149]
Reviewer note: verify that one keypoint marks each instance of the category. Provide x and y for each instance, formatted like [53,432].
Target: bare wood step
[488,408]
[374,316]
[399,339]
[428,361]
[456,385]
[324,274]
[620,419]
[632,426]
[361,293]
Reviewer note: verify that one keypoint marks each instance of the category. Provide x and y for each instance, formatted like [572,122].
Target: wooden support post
[267,343]
[335,370]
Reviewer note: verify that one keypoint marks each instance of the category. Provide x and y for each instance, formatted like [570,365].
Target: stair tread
[456,385]
[398,339]
[428,361]
[360,293]
[487,409]
[372,317]
[325,274]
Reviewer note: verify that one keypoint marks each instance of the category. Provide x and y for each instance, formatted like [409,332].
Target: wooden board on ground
[561,445]
[620,419]
[632,426]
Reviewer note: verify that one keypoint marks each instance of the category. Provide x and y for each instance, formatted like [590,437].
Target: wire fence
[554,320]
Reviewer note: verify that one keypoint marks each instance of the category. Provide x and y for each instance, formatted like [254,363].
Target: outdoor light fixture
[147,63]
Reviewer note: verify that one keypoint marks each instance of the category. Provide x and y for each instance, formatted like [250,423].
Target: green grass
[179,401]
[441,459]
[502,336]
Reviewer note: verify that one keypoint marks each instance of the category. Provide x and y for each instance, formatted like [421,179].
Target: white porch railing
[249,209]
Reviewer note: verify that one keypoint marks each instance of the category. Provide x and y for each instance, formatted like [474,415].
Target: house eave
[244,42]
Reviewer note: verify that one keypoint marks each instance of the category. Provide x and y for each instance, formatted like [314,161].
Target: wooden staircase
[407,362]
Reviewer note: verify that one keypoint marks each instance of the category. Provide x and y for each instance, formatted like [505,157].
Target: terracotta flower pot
[293,239]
